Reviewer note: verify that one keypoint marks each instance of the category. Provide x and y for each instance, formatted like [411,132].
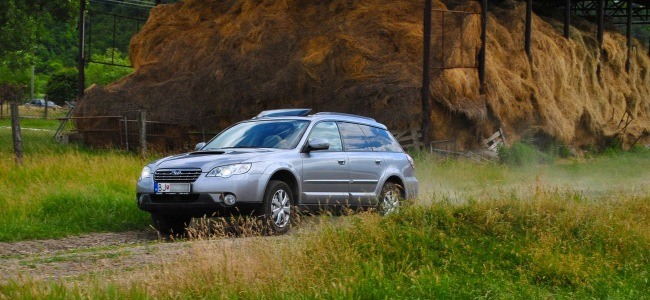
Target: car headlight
[146,173]
[229,170]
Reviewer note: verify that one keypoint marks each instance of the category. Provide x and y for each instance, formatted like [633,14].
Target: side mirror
[199,146]
[318,144]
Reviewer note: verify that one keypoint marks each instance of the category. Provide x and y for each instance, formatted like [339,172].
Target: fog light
[229,199]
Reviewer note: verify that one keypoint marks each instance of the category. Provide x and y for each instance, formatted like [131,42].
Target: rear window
[380,139]
[353,138]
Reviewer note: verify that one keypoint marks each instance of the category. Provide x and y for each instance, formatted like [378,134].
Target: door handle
[378,161]
[342,162]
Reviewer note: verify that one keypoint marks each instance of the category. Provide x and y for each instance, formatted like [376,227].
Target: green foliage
[522,154]
[9,75]
[104,74]
[22,22]
[62,86]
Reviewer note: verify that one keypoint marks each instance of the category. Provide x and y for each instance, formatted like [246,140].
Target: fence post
[414,134]
[15,129]
[126,133]
[142,121]
[46,99]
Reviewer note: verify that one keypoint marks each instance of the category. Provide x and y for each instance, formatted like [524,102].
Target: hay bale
[206,64]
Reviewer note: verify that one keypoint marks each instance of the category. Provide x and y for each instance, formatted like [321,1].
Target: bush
[521,154]
[62,86]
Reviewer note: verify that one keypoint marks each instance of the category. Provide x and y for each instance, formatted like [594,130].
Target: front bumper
[195,205]
[205,196]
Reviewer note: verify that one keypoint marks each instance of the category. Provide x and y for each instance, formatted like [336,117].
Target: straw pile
[206,64]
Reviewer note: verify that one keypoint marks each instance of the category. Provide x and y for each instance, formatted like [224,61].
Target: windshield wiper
[241,146]
[209,151]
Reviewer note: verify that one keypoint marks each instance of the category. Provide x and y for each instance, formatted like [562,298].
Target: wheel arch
[290,179]
[398,181]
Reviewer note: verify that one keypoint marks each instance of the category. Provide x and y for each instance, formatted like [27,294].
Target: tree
[62,86]
[102,74]
[22,22]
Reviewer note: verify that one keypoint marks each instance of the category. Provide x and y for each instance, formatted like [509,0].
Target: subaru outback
[277,163]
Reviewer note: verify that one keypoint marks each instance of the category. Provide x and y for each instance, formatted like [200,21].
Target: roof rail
[290,112]
[344,114]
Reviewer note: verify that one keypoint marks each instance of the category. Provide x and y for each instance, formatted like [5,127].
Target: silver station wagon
[276,164]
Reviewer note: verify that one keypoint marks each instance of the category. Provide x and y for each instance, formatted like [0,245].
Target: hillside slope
[209,63]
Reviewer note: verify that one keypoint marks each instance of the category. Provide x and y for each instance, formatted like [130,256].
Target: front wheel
[276,208]
[390,199]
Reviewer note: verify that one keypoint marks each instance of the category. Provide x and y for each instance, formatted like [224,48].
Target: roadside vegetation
[570,228]
[64,190]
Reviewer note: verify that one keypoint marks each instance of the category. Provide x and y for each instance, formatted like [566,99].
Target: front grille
[177,175]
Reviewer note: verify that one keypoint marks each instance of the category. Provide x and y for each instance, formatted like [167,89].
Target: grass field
[63,190]
[577,228]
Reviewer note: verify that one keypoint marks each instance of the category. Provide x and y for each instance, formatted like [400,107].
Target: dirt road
[81,255]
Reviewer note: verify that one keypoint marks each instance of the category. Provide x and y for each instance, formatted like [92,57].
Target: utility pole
[481,54]
[567,18]
[628,36]
[31,85]
[81,58]
[426,73]
[529,28]
[600,6]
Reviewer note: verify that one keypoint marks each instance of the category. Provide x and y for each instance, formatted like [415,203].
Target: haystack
[208,63]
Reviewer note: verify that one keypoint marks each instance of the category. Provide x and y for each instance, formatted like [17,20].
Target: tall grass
[63,190]
[551,245]
[598,177]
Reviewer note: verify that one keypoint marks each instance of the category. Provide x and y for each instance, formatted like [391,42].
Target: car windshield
[282,134]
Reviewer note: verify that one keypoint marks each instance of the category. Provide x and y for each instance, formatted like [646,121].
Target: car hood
[206,160]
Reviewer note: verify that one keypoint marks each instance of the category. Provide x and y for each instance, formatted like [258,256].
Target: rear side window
[353,138]
[328,131]
[380,139]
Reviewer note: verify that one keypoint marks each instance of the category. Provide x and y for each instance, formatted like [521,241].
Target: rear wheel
[276,208]
[170,224]
[390,199]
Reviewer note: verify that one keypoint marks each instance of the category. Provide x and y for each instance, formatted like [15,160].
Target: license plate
[174,188]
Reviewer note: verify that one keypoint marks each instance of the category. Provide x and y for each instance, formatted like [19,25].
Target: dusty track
[107,255]
[83,255]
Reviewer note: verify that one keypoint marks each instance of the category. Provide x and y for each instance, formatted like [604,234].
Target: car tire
[169,224]
[276,210]
[389,199]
